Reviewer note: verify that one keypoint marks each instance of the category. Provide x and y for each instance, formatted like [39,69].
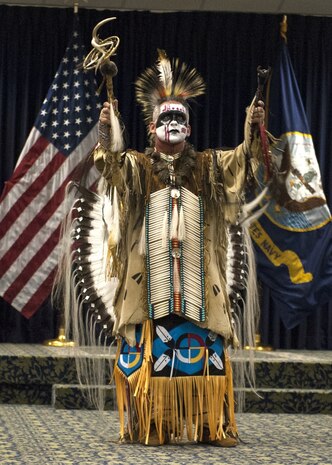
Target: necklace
[163,165]
[170,158]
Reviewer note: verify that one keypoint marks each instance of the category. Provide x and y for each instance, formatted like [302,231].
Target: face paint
[166,118]
[172,123]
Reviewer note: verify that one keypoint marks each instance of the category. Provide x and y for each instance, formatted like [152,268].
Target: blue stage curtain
[225,47]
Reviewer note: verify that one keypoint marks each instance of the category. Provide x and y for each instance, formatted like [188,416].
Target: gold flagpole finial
[283,28]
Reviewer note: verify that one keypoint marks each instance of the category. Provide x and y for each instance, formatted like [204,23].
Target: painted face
[172,123]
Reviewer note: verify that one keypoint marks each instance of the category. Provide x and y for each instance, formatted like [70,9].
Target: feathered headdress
[166,81]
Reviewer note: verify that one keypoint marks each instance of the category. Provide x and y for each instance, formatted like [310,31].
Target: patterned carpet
[41,435]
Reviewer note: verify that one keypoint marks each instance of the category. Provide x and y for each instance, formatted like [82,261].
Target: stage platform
[286,381]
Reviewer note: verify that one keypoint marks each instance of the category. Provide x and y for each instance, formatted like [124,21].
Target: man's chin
[175,139]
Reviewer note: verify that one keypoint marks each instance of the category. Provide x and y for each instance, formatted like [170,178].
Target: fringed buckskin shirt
[210,186]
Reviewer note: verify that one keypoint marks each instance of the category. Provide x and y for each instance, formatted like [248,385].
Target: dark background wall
[225,47]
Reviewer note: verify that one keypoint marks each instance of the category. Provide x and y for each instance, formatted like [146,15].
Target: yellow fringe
[120,381]
[175,404]
[231,428]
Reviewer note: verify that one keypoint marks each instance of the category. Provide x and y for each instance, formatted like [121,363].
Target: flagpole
[61,340]
[283,28]
[262,77]
[258,346]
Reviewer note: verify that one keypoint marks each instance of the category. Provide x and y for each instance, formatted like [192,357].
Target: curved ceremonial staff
[99,60]
[98,57]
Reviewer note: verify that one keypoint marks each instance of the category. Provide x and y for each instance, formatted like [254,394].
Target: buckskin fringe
[175,405]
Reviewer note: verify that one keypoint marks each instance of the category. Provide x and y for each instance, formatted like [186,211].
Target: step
[291,369]
[36,364]
[74,396]
[305,401]
[287,381]
[29,371]
[36,394]
[62,370]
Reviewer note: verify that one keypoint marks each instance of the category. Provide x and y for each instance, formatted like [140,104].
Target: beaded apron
[179,348]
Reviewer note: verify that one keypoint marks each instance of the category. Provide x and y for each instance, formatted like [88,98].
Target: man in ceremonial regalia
[179,254]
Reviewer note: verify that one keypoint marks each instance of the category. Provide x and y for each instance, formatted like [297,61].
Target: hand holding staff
[262,76]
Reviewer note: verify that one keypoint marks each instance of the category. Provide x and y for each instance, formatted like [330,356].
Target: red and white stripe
[31,211]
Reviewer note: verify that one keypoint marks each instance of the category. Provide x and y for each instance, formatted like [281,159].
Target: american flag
[32,204]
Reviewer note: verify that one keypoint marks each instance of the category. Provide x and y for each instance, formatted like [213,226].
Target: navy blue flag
[32,204]
[293,239]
